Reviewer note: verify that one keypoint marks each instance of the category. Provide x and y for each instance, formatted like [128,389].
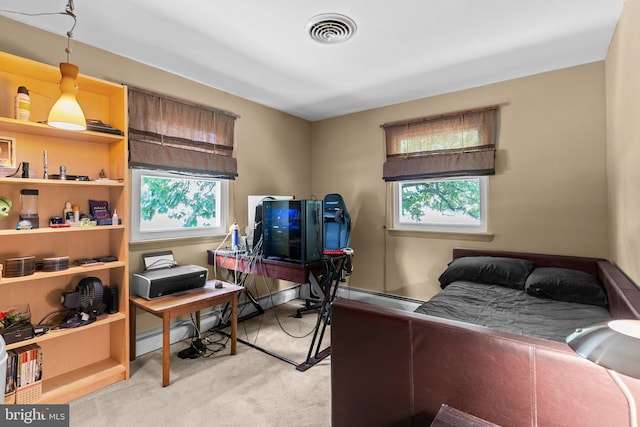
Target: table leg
[166,332]
[234,321]
[132,331]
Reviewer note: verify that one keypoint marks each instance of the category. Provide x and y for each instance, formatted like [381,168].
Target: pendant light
[66,113]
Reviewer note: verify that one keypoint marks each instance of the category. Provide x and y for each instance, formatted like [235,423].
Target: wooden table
[179,304]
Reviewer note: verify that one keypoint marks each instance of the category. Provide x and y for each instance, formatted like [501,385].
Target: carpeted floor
[250,388]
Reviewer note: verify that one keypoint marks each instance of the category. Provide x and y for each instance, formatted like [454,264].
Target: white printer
[164,281]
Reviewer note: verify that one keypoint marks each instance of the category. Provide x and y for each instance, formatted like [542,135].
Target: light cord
[68,11]
[633,414]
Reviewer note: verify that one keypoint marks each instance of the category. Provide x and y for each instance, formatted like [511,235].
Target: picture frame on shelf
[7,152]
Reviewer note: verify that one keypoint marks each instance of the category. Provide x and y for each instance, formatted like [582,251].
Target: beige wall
[273,148]
[623,140]
[548,195]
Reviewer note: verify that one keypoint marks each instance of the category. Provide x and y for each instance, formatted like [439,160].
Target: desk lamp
[614,345]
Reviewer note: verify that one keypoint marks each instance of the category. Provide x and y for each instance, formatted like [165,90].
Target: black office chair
[336,222]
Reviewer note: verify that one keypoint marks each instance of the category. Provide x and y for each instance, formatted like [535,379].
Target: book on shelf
[11,375]
[24,367]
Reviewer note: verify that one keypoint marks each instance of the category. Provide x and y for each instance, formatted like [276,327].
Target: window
[453,205]
[438,166]
[168,205]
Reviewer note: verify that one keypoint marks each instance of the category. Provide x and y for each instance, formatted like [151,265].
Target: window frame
[138,236]
[396,201]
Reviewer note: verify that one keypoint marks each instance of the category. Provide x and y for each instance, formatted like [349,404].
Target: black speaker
[84,304]
[88,297]
[111,299]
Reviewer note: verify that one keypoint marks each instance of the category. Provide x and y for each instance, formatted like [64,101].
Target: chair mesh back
[337,222]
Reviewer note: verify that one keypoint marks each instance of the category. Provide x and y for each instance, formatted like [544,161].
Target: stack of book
[24,373]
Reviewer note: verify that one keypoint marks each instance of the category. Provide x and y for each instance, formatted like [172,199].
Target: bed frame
[396,368]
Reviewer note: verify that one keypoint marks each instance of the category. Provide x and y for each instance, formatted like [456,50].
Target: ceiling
[402,49]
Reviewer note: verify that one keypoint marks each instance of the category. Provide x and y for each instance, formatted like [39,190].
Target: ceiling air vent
[331,28]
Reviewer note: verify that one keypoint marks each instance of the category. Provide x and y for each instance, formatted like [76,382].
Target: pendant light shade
[66,112]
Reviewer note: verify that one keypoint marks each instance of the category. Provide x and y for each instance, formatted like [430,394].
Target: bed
[515,295]
[392,367]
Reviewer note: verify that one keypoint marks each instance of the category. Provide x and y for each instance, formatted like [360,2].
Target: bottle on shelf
[114,218]
[22,104]
[67,212]
[76,213]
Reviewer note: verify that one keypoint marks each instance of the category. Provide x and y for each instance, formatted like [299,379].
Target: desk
[297,273]
[178,304]
[272,268]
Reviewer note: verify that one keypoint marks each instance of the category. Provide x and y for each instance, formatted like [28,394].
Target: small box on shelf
[29,394]
[15,324]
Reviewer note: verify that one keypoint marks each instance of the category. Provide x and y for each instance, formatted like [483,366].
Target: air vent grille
[331,28]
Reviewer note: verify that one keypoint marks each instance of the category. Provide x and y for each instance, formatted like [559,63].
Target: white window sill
[446,235]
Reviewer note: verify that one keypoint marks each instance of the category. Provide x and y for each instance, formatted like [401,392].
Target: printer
[164,281]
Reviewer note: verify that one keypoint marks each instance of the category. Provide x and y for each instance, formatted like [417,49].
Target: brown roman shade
[448,145]
[170,134]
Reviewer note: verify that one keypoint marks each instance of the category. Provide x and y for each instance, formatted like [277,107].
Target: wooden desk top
[200,296]
[275,269]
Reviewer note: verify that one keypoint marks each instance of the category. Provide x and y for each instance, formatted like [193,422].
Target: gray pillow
[503,271]
[566,284]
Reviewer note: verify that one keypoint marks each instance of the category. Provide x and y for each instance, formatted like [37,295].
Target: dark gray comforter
[512,310]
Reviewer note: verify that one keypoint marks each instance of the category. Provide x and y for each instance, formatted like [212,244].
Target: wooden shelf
[51,74]
[58,333]
[71,271]
[42,129]
[79,382]
[58,182]
[76,361]
[49,230]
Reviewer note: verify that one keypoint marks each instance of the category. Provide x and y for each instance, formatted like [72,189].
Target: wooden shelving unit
[81,360]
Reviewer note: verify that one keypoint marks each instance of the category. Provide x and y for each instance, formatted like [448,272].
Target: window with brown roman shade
[170,134]
[448,145]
